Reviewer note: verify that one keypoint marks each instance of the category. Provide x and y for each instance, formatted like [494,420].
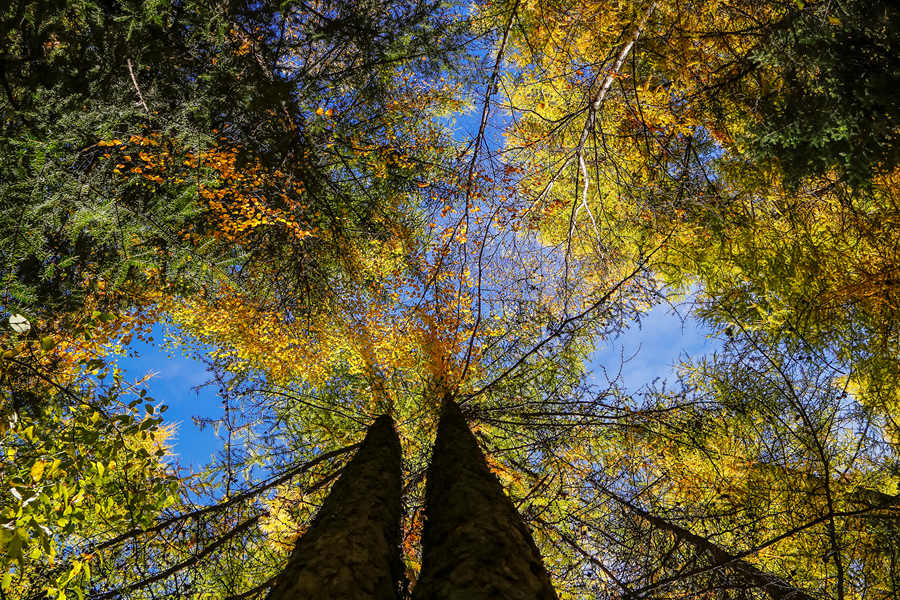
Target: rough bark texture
[352,548]
[474,544]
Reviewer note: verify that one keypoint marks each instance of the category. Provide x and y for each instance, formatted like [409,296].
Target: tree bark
[474,544]
[352,548]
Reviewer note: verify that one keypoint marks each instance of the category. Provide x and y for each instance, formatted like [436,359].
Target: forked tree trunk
[352,548]
[474,544]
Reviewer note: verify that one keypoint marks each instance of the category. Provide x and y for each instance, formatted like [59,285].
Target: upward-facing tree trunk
[352,548]
[474,544]
[776,587]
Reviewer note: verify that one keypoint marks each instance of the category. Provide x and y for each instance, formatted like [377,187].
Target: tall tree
[352,547]
[475,544]
[153,144]
[364,258]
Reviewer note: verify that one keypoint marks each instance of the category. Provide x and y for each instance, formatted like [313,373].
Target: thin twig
[182,565]
[136,87]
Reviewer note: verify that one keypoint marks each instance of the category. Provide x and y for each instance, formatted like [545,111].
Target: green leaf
[15,545]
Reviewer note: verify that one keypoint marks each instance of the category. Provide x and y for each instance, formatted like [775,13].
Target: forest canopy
[398,235]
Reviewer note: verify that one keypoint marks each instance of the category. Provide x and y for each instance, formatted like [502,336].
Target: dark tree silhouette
[352,548]
[474,543]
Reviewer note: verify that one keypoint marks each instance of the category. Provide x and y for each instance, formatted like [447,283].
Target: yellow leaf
[320,111]
[37,470]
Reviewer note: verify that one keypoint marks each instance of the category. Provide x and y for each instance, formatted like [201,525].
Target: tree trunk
[352,548]
[776,587]
[474,544]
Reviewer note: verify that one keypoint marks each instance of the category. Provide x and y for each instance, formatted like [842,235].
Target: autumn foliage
[348,210]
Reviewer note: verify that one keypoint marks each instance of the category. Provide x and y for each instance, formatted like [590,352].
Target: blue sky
[175,382]
[653,348]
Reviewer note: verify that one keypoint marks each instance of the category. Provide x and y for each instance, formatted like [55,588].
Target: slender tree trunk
[352,548]
[474,545]
[776,587]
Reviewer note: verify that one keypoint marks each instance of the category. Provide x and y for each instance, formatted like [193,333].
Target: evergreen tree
[474,545]
[352,548]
